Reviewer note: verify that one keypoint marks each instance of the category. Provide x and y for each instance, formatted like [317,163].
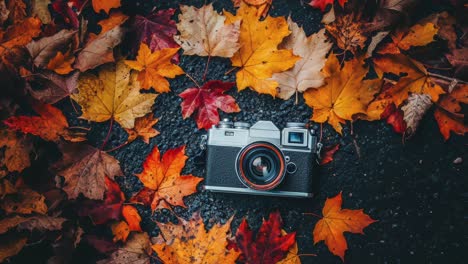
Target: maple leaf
[10,246]
[335,222]
[24,201]
[120,231]
[143,128]
[15,156]
[43,50]
[137,250]
[346,93]
[39,223]
[157,30]
[154,66]
[51,124]
[50,87]
[205,101]
[20,34]
[449,115]
[394,117]
[203,32]
[114,93]
[349,34]
[41,10]
[322,4]
[99,49]
[260,58]
[132,217]
[417,35]
[417,79]
[61,63]
[328,154]
[84,169]
[101,212]
[105,5]
[263,6]
[162,180]
[306,73]
[190,243]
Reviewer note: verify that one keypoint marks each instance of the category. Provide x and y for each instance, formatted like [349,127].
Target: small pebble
[458,160]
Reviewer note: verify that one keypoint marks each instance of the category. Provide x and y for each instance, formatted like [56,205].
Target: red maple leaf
[394,118]
[69,10]
[206,101]
[328,154]
[269,246]
[322,4]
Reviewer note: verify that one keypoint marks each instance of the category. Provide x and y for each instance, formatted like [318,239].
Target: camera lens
[260,166]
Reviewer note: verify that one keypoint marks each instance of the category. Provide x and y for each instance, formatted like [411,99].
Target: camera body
[261,159]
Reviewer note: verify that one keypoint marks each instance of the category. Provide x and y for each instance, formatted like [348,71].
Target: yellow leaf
[258,57]
[153,67]
[417,35]
[114,93]
[345,95]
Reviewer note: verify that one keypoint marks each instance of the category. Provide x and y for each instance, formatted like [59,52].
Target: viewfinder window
[296,137]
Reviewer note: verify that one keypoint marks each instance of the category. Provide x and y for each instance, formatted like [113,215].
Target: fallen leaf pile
[66,65]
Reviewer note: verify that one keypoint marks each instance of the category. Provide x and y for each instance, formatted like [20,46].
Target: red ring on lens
[279,176]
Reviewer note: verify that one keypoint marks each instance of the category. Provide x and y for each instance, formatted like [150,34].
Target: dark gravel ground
[413,188]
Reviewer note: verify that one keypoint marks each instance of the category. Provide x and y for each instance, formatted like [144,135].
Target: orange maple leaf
[448,114]
[163,183]
[20,34]
[132,217]
[143,128]
[417,35]
[120,230]
[61,63]
[335,221]
[153,67]
[105,5]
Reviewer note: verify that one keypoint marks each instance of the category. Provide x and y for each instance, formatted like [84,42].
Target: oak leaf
[113,94]
[84,169]
[345,95]
[203,32]
[44,49]
[449,114]
[15,156]
[105,5]
[155,67]
[61,63]
[20,34]
[258,57]
[269,246]
[322,4]
[335,222]
[349,33]
[143,128]
[328,154]
[190,243]
[39,223]
[137,250]
[24,201]
[132,217]
[49,87]
[99,49]
[417,35]
[205,102]
[51,124]
[306,73]
[120,231]
[162,180]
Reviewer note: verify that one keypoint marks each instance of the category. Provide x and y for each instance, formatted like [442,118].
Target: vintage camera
[261,159]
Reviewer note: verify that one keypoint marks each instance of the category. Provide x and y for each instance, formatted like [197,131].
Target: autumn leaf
[6,188]
[293,254]
[260,58]
[328,154]
[306,73]
[132,217]
[120,231]
[49,87]
[44,49]
[99,49]
[203,32]
[394,117]
[137,250]
[24,201]
[84,169]
[15,156]
[414,109]
[190,243]
[113,94]
[61,63]
[205,102]
[417,35]
[41,10]
[20,34]
[4,12]
[17,11]
[322,4]
[39,223]
[449,114]
[154,67]
[143,128]
[349,33]
[345,95]
[51,124]
[417,79]
[162,180]
[105,5]
[335,222]
[10,246]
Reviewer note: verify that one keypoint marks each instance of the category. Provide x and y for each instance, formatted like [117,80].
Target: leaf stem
[231,70]
[313,214]
[118,147]
[108,134]
[80,127]
[307,255]
[206,67]
[193,80]
[435,75]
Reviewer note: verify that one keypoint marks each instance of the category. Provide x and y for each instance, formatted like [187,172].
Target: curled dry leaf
[261,58]
[155,67]
[44,49]
[15,156]
[85,169]
[307,71]
[190,243]
[24,201]
[335,222]
[50,125]
[49,87]
[162,180]
[417,35]
[203,32]
[269,246]
[132,217]
[348,32]
[114,93]
[143,128]
[345,95]
[205,102]
[414,110]
[99,49]
[137,250]
[449,115]
[105,5]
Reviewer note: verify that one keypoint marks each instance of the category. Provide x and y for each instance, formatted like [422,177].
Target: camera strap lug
[203,141]
[319,149]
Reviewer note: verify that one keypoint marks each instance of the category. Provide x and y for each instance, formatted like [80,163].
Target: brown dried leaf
[143,128]
[25,201]
[43,50]
[137,250]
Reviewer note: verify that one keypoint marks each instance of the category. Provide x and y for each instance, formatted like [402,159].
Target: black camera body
[261,160]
